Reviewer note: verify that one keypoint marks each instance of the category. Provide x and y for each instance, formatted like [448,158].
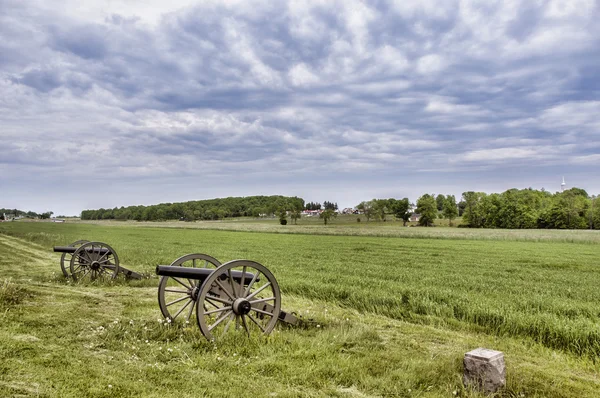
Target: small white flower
[131,322]
[170,349]
[168,320]
[110,386]
[147,342]
[159,348]
[318,326]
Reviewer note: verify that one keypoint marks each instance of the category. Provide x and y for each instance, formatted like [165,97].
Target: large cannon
[240,293]
[85,260]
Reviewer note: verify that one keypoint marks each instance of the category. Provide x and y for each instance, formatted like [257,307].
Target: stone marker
[484,369]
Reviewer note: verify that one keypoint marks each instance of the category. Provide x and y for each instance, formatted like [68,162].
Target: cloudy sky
[123,102]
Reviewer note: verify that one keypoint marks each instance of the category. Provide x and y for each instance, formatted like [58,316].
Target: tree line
[529,208]
[12,213]
[512,209]
[211,209]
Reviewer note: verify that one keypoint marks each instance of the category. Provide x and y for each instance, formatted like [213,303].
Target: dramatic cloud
[124,102]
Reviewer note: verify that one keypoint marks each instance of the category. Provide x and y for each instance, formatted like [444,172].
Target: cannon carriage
[85,260]
[240,295]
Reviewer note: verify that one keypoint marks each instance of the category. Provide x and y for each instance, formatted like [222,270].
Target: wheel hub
[95,265]
[241,306]
[194,293]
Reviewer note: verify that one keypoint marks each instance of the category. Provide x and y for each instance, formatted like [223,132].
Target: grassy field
[390,316]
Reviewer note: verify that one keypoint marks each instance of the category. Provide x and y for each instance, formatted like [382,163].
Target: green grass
[395,315]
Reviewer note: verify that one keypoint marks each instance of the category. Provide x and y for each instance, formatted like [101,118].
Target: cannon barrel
[64,249]
[200,273]
[71,249]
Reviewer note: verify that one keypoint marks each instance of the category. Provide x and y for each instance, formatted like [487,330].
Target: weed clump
[11,294]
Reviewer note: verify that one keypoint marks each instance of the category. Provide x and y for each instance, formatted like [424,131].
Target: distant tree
[427,208]
[401,209]
[282,217]
[461,207]
[366,208]
[450,210]
[313,206]
[46,215]
[380,208]
[329,205]
[295,215]
[326,215]
[439,200]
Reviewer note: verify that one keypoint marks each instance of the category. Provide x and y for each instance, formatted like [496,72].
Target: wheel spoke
[231,283]
[178,300]
[245,325]
[181,309]
[221,319]
[105,254]
[255,322]
[213,304]
[190,312]
[262,300]
[220,309]
[225,290]
[242,281]
[262,312]
[260,289]
[250,284]
[176,291]
[181,283]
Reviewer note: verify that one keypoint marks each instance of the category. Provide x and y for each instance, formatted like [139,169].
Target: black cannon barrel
[64,249]
[200,273]
[71,249]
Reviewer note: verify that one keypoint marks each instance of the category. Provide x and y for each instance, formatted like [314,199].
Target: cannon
[85,260]
[240,295]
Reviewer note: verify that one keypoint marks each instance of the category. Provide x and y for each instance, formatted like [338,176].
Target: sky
[127,102]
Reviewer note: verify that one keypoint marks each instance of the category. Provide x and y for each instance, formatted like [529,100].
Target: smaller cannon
[240,295]
[85,260]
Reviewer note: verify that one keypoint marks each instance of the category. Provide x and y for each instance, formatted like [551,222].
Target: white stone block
[484,369]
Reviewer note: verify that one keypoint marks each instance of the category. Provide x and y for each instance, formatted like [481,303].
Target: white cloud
[431,64]
[301,75]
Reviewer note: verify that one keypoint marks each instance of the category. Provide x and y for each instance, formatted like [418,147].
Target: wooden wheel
[177,296]
[94,261]
[65,259]
[240,296]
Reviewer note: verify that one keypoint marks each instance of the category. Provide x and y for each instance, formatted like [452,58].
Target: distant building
[349,210]
[415,217]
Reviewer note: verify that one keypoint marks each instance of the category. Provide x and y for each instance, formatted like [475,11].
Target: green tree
[295,215]
[449,210]
[379,208]
[46,215]
[326,215]
[439,201]
[282,217]
[427,208]
[366,208]
[401,209]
